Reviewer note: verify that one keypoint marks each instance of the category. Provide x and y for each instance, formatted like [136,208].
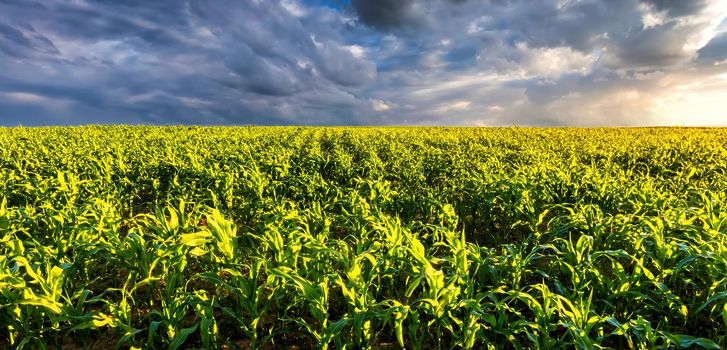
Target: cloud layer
[440,62]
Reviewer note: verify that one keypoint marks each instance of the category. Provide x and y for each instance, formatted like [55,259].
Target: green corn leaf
[181,337]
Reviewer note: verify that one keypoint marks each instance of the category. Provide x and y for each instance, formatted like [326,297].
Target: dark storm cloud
[678,8]
[393,14]
[655,47]
[715,50]
[385,14]
[97,20]
[357,62]
[180,62]
[89,96]
[19,43]
[341,67]
[260,75]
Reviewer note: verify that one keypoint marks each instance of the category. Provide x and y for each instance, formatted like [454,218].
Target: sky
[364,62]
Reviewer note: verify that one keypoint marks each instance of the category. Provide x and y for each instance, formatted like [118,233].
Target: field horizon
[343,126]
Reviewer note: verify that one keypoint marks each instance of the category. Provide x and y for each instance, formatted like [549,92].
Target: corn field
[362,238]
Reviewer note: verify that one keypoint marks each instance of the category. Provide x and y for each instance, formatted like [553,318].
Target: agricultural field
[362,238]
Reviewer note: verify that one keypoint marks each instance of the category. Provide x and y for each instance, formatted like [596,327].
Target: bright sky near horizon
[364,62]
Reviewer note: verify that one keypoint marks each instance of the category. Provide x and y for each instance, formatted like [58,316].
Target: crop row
[362,238]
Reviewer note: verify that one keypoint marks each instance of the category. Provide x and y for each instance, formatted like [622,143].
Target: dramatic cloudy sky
[453,62]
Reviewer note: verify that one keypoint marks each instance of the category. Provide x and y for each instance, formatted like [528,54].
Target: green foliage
[362,238]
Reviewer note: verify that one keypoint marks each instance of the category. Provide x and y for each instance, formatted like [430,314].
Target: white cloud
[452,107]
[477,25]
[552,62]
[294,8]
[708,21]
[357,51]
[27,98]
[380,106]
[24,97]
[650,17]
